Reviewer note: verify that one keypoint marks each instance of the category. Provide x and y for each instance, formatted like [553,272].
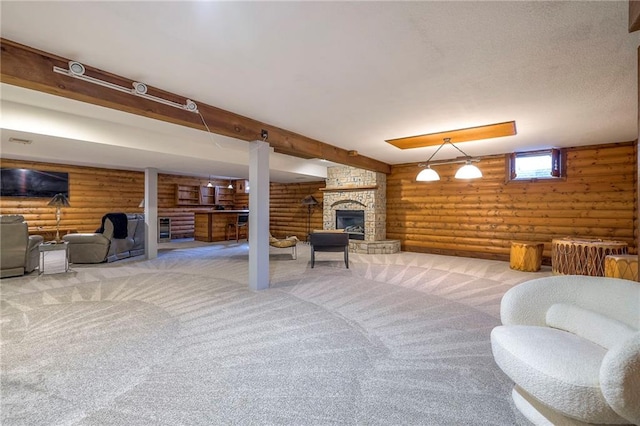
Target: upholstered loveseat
[113,243]
[571,344]
[18,251]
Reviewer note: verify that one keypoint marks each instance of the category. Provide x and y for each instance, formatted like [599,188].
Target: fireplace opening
[352,221]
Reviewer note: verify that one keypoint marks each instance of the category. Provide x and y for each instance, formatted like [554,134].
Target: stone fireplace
[349,190]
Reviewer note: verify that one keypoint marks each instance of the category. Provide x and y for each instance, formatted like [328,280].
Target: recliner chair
[104,247]
[18,250]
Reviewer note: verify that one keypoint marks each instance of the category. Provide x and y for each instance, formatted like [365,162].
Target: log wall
[287,215]
[480,218]
[96,191]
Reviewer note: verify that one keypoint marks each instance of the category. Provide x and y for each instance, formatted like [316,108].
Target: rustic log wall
[96,191]
[182,217]
[480,218]
[287,215]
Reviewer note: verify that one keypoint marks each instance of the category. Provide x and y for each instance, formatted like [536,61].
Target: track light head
[139,88]
[76,68]
[191,106]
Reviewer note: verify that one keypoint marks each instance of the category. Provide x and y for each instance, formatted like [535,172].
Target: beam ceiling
[33,69]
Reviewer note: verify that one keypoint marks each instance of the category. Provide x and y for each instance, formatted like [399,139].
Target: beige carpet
[395,339]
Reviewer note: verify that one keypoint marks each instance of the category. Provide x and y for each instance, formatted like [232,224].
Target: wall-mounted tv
[33,183]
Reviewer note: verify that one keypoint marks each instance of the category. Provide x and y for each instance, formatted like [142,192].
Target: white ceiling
[350,74]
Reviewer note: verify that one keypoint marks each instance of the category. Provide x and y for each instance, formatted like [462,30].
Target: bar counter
[212,225]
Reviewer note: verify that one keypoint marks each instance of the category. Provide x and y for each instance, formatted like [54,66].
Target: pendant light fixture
[468,171]
[209,185]
[427,175]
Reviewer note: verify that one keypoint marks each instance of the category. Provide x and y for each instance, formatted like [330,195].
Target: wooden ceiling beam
[634,15]
[26,67]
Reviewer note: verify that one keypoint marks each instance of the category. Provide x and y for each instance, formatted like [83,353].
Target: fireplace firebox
[352,221]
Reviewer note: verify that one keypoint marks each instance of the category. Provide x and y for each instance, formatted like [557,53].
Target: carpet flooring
[398,339]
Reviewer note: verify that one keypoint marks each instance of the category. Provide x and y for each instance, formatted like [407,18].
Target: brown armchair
[18,251]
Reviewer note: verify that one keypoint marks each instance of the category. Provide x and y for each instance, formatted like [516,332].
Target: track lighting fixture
[77,70]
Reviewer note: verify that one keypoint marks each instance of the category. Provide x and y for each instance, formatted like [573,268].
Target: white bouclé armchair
[571,344]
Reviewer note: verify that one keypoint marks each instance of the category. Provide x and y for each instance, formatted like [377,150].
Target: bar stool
[238,227]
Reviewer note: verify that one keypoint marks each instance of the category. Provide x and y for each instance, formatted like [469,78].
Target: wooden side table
[621,266]
[526,256]
[48,248]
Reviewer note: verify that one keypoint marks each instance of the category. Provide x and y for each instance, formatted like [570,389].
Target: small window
[534,165]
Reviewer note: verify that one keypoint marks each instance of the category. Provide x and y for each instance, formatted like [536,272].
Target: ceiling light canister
[76,68]
[191,106]
[139,88]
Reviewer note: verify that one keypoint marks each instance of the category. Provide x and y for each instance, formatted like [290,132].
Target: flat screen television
[33,183]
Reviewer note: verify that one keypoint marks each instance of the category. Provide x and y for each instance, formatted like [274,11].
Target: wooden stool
[526,256]
[621,266]
[235,229]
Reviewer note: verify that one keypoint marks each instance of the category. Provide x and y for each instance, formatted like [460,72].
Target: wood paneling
[287,215]
[92,193]
[480,218]
[182,217]
[634,15]
[470,218]
[96,191]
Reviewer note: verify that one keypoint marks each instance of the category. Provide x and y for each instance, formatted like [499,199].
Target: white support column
[259,215]
[151,213]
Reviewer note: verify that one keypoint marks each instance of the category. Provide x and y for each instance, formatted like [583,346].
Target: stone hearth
[348,188]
